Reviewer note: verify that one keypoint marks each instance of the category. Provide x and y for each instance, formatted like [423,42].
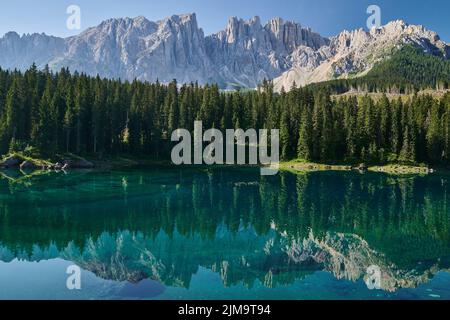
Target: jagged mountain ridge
[242,55]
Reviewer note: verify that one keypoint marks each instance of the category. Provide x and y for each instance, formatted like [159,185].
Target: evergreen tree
[304,140]
[43,134]
[69,120]
[64,112]
[434,134]
[14,121]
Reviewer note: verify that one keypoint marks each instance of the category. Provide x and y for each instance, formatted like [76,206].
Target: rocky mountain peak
[11,35]
[240,29]
[181,19]
[290,35]
[275,24]
[242,55]
[255,20]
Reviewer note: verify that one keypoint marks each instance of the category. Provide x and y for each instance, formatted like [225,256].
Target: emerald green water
[171,233]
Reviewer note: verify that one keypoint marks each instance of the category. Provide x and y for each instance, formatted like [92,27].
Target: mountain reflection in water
[159,226]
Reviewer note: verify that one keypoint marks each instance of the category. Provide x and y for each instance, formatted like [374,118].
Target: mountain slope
[411,65]
[242,55]
[407,70]
[354,54]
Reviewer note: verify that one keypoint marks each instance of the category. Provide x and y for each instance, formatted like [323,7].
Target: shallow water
[166,233]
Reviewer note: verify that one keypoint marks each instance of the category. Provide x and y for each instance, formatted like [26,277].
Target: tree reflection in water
[163,224]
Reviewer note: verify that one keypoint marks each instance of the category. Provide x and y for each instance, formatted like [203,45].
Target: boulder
[83,164]
[363,167]
[67,164]
[77,164]
[58,166]
[28,165]
[11,162]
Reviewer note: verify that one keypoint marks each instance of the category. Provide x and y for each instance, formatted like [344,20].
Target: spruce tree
[304,140]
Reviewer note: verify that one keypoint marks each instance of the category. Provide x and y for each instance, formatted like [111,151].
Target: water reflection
[164,224]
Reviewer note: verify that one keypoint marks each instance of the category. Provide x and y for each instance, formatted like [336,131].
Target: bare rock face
[22,51]
[242,55]
[169,49]
[247,52]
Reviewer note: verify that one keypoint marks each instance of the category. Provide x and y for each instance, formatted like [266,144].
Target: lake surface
[167,233]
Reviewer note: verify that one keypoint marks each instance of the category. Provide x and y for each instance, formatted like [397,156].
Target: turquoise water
[171,233]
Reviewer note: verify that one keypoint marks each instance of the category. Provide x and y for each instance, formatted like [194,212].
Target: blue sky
[327,17]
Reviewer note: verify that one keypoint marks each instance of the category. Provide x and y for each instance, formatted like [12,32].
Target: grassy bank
[397,169]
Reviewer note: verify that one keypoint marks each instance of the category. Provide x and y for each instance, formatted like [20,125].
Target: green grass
[300,165]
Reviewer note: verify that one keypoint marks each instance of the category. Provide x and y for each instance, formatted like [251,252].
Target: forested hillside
[62,112]
[407,71]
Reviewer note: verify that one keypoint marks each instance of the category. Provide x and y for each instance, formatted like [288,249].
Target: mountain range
[242,55]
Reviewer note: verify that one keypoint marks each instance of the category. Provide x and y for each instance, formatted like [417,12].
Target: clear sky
[327,17]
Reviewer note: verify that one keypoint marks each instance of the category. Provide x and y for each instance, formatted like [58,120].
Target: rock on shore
[18,162]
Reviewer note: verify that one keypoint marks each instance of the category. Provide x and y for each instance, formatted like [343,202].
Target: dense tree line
[63,112]
[361,129]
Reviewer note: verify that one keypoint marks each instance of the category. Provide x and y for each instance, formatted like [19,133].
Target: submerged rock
[83,164]
[28,165]
[77,164]
[363,167]
[11,162]
[67,164]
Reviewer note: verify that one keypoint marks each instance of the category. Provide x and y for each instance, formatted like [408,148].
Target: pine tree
[317,126]
[446,128]
[350,107]
[69,119]
[406,154]
[326,130]
[14,121]
[396,127]
[43,135]
[384,120]
[134,124]
[304,140]
[285,142]
[171,107]
[434,134]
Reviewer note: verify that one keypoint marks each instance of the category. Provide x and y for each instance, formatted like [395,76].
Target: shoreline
[293,166]
[296,166]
